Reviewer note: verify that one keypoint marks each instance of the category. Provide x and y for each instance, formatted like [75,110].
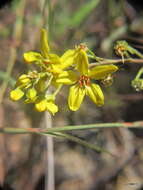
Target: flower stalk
[96,127]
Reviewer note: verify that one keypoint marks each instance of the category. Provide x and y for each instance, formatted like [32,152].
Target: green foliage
[82,13]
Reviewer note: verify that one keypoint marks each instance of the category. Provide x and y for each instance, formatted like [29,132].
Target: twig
[137,124]
[57,132]
[116,61]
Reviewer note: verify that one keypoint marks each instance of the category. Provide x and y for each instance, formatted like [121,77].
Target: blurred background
[98,23]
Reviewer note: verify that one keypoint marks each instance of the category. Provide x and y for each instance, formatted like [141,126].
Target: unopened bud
[137,84]
[31,94]
[16,94]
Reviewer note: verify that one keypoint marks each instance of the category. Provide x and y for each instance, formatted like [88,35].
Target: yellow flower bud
[41,105]
[46,105]
[51,107]
[31,94]
[31,57]
[16,94]
[23,79]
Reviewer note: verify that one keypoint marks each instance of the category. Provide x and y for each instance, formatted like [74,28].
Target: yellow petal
[82,63]
[67,77]
[76,96]
[16,94]
[31,57]
[51,107]
[55,59]
[54,69]
[41,105]
[44,44]
[67,58]
[100,72]
[55,64]
[95,93]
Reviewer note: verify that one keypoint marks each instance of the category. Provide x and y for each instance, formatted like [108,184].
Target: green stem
[93,56]
[57,90]
[82,142]
[116,61]
[139,74]
[136,52]
[49,82]
[97,126]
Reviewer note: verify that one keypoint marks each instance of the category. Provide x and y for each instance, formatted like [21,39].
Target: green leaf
[81,142]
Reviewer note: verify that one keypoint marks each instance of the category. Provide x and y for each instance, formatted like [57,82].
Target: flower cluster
[72,68]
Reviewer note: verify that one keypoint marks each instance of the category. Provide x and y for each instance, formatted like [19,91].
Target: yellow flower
[50,61]
[16,94]
[70,58]
[46,105]
[73,56]
[81,81]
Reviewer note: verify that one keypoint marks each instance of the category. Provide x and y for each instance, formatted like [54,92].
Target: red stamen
[46,62]
[84,81]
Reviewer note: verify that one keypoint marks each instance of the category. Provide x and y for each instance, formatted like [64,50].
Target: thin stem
[97,126]
[137,53]
[49,82]
[57,90]
[50,171]
[139,74]
[93,56]
[82,142]
[117,61]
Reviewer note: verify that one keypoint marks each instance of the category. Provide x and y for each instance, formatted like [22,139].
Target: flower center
[84,81]
[46,62]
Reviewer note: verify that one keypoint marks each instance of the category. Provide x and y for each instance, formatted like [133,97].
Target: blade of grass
[78,140]
[83,12]
[67,20]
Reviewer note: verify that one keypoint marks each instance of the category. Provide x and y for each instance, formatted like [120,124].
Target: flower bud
[16,94]
[121,48]
[41,105]
[23,80]
[137,84]
[31,94]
